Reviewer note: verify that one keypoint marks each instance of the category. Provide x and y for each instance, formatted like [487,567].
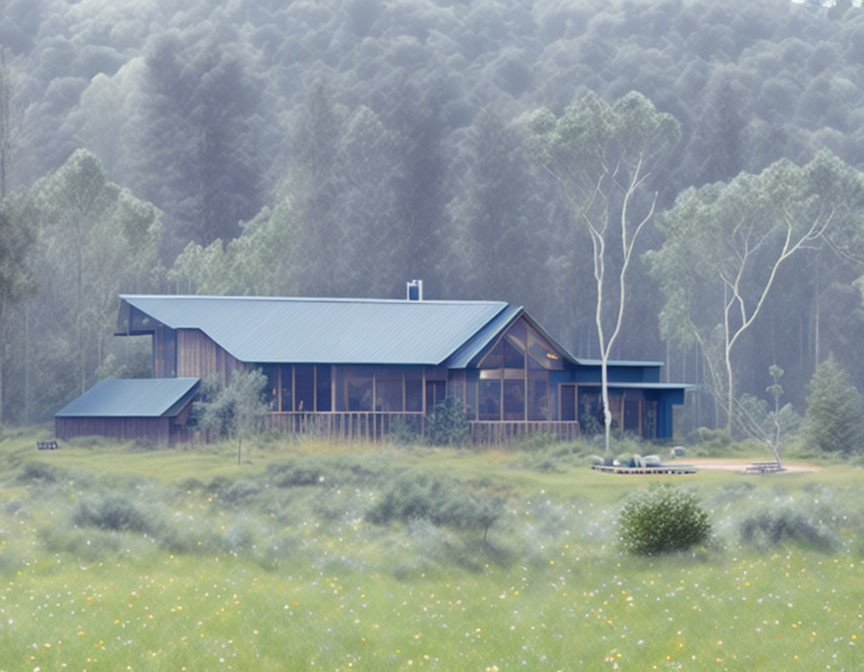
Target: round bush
[662,520]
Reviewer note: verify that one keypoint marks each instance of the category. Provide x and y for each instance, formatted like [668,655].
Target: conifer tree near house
[835,411]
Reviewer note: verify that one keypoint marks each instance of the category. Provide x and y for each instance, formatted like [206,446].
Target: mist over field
[342,148]
[675,180]
[311,555]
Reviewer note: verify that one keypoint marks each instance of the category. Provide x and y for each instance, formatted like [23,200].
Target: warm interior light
[551,356]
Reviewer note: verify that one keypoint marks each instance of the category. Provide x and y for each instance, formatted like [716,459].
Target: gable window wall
[514,377]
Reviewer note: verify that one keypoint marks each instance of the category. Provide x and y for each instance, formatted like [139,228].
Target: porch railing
[369,426]
[348,426]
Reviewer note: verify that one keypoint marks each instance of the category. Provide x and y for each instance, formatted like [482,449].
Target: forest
[342,148]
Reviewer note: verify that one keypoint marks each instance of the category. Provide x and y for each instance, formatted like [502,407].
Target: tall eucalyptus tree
[604,157]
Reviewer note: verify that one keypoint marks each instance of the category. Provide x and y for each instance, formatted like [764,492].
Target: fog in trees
[342,148]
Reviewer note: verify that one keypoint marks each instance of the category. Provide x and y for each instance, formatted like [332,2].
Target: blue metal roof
[131,398]
[337,331]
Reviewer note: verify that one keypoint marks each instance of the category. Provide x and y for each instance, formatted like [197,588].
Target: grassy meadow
[311,556]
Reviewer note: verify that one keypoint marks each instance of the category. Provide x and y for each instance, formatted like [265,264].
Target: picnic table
[765,467]
[47,445]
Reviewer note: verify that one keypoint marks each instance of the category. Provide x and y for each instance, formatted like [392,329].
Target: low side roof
[131,398]
[643,386]
[337,331]
[622,362]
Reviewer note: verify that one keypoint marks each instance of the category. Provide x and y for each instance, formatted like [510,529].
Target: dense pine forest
[341,148]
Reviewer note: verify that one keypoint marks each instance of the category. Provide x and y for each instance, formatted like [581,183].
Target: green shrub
[438,499]
[536,442]
[404,432]
[714,440]
[143,445]
[327,470]
[189,485]
[448,425]
[771,528]
[542,462]
[662,520]
[590,425]
[295,472]
[112,512]
[39,473]
[240,491]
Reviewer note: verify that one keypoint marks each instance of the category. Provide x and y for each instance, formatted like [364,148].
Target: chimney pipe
[414,290]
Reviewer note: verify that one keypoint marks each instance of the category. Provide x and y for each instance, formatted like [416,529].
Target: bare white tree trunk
[735,307]
[628,245]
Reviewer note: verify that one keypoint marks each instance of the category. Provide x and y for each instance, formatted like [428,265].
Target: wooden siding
[154,429]
[198,356]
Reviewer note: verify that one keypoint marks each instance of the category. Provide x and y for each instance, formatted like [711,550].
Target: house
[362,367]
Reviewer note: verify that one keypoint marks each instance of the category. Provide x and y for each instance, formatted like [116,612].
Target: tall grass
[176,560]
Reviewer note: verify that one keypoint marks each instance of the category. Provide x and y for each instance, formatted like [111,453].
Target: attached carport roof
[132,398]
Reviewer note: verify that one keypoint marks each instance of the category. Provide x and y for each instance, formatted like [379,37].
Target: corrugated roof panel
[341,331]
[130,397]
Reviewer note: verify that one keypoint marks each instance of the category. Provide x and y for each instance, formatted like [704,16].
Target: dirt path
[733,464]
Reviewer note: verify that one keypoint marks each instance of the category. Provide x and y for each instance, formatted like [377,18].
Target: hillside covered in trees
[341,148]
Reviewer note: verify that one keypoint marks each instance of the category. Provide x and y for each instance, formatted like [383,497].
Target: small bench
[47,445]
[765,467]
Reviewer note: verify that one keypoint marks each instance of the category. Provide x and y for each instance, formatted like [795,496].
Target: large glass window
[388,389]
[489,399]
[517,335]
[513,358]
[323,388]
[271,373]
[539,402]
[514,399]
[542,353]
[304,388]
[358,388]
[495,359]
[287,388]
[413,390]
